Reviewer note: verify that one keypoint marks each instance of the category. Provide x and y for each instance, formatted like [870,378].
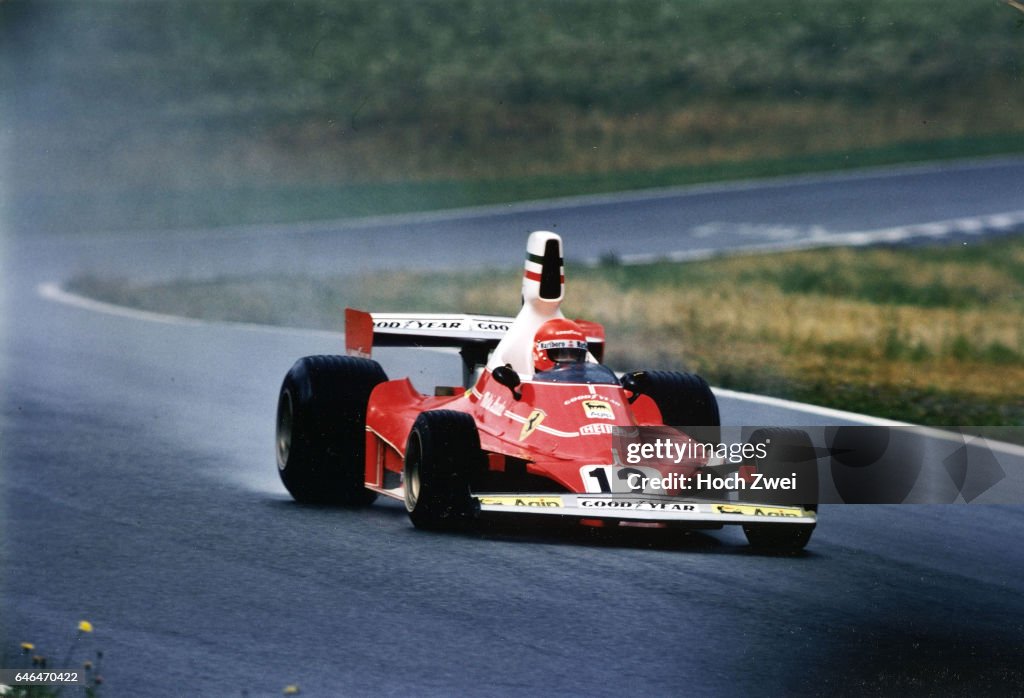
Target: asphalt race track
[140,493]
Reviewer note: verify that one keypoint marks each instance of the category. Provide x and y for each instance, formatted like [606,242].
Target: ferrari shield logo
[532,422]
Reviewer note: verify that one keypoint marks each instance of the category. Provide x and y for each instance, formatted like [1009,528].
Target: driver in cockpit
[559,343]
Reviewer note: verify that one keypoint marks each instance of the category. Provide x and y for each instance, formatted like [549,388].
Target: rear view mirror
[634,382]
[507,376]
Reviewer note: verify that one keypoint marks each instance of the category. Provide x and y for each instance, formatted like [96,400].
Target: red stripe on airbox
[534,276]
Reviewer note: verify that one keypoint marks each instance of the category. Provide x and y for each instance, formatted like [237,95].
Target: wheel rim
[285,418]
[412,473]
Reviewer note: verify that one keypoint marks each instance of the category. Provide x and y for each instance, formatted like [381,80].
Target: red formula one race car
[539,428]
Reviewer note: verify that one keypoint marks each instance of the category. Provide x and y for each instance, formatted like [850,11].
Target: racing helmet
[558,341]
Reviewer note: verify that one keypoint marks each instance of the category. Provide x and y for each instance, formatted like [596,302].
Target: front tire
[321,429]
[685,400]
[788,453]
[441,456]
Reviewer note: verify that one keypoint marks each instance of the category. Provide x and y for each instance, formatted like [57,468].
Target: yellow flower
[27,647]
[292,690]
[84,626]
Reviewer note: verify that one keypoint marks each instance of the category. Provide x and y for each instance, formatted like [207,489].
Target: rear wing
[475,336]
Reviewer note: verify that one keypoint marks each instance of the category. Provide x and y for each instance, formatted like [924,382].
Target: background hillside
[150,114]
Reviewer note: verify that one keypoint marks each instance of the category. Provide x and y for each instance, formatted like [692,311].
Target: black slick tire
[685,400]
[787,453]
[441,456]
[321,429]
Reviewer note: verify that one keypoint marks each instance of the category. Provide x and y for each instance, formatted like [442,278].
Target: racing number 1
[601,475]
[599,479]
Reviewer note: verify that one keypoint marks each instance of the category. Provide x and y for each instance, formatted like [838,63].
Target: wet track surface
[139,492]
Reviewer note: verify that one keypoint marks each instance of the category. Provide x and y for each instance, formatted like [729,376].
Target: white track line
[971,225]
[556,203]
[53,292]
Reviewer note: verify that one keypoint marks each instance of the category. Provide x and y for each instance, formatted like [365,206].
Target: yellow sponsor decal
[752,510]
[523,501]
[532,422]
[598,409]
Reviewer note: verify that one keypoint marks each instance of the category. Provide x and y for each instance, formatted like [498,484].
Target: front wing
[643,508]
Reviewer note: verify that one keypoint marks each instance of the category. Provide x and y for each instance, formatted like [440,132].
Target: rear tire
[787,452]
[321,429]
[441,456]
[685,400]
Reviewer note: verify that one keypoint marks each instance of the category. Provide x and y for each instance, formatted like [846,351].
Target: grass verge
[930,335]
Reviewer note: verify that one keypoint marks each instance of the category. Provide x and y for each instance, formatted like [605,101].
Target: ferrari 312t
[539,428]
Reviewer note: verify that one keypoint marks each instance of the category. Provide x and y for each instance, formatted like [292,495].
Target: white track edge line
[52,291]
[925,167]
